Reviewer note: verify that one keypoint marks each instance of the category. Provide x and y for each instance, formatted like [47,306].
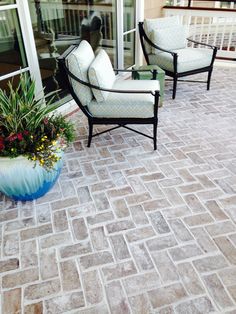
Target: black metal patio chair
[103,97]
[164,43]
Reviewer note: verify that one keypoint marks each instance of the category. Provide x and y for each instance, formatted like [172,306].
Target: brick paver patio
[130,230]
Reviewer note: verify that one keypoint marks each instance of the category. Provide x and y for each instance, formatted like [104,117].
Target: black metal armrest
[200,43]
[121,91]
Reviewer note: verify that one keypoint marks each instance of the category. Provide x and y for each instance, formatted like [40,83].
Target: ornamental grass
[29,127]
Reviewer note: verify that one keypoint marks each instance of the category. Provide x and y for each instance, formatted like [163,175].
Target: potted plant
[32,140]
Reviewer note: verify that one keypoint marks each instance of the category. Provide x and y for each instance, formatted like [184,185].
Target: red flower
[20,136]
[2,146]
[26,132]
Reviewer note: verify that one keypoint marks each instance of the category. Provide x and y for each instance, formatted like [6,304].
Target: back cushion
[78,63]
[169,38]
[101,74]
[159,23]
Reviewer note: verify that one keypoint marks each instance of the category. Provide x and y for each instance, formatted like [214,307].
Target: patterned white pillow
[158,23]
[171,38]
[101,74]
[78,63]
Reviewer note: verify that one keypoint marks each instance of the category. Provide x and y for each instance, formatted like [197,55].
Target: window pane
[12,53]
[129,15]
[129,50]
[5,2]
[60,23]
[14,80]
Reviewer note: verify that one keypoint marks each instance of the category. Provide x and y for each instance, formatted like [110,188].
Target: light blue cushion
[170,38]
[156,24]
[101,74]
[118,105]
[188,59]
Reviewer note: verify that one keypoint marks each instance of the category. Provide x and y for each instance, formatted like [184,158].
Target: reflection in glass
[14,80]
[5,2]
[12,53]
[129,15]
[129,49]
[57,24]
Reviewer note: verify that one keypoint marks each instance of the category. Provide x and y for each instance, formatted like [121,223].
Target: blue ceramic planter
[22,180]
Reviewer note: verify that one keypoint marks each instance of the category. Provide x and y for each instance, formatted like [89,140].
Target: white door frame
[29,43]
[119,33]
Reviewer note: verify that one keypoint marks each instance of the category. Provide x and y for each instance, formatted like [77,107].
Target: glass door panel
[57,24]
[5,2]
[129,7]
[14,80]
[129,50]
[129,15]
[12,51]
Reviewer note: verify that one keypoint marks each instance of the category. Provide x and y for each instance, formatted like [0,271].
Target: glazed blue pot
[24,180]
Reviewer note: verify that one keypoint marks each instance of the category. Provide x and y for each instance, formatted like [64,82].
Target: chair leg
[155,134]
[209,79]
[90,123]
[174,87]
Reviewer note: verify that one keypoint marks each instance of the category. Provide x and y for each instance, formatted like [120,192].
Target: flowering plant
[28,126]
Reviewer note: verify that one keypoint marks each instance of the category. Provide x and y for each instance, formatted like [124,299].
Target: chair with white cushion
[105,98]
[164,43]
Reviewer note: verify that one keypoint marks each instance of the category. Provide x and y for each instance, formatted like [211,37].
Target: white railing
[202,3]
[66,19]
[216,27]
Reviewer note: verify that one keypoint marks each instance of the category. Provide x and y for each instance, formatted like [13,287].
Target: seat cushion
[188,59]
[78,62]
[171,38]
[159,23]
[118,105]
[101,74]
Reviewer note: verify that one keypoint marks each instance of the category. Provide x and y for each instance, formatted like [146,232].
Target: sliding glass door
[57,24]
[33,33]
[129,32]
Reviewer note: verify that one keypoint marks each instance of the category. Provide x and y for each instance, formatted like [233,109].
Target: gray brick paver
[130,230]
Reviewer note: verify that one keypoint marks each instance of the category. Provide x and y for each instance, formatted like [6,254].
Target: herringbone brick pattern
[130,230]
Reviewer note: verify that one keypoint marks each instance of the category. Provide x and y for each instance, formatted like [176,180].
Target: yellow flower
[12,149]
[31,136]
[34,158]
[54,143]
